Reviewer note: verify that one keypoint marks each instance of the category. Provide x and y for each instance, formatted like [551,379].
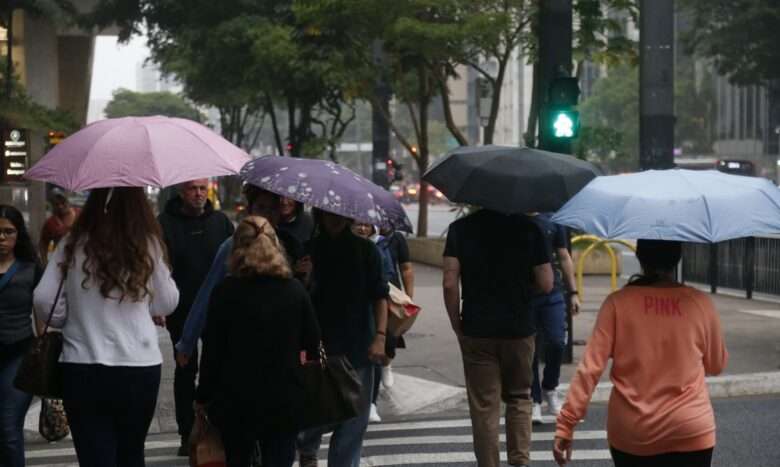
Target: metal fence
[749,264]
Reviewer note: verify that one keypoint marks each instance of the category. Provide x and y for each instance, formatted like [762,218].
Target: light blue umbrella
[676,204]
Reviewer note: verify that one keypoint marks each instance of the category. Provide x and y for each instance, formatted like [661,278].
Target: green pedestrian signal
[564,124]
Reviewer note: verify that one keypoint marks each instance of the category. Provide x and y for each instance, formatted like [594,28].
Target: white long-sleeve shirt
[97,330]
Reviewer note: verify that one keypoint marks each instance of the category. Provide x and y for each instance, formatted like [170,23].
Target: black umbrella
[510,179]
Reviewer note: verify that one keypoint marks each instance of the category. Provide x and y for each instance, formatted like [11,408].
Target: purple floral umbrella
[138,151]
[327,186]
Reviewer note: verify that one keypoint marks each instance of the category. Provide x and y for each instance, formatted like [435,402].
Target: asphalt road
[747,436]
[439,217]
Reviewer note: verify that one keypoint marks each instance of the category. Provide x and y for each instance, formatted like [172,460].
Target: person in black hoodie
[294,220]
[193,232]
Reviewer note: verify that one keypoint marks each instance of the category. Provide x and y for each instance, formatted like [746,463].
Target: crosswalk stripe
[413,433]
[549,420]
[169,460]
[764,313]
[59,452]
[440,458]
[465,457]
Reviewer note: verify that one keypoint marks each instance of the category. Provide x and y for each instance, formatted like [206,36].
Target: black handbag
[40,373]
[332,391]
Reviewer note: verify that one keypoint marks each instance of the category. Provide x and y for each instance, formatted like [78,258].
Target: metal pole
[713,267]
[380,130]
[749,272]
[656,84]
[555,60]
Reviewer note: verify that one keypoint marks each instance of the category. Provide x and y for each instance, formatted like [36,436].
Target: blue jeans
[13,406]
[346,443]
[550,318]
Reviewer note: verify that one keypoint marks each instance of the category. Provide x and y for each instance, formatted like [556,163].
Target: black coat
[192,245]
[256,329]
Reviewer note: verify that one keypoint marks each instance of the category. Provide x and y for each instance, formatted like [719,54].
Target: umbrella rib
[156,166]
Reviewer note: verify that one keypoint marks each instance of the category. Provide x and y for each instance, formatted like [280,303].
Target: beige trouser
[496,370]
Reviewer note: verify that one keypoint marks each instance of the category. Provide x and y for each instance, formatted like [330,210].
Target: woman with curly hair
[114,279]
[259,320]
[19,274]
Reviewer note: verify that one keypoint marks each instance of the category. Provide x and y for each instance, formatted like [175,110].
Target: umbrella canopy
[327,186]
[675,204]
[138,151]
[509,179]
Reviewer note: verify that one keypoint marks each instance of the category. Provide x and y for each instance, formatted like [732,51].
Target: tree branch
[386,116]
[447,106]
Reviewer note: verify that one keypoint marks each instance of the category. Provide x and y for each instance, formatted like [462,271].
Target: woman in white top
[116,280]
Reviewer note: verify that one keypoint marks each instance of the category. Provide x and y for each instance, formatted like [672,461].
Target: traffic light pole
[656,84]
[555,60]
[380,130]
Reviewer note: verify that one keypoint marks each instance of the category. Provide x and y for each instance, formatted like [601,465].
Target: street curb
[750,384]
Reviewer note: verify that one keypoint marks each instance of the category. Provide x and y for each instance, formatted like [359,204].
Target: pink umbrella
[138,151]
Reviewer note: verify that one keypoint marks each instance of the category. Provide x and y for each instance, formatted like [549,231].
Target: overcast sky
[114,65]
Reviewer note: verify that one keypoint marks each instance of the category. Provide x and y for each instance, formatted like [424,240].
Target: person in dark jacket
[19,274]
[260,319]
[294,220]
[193,232]
[349,292]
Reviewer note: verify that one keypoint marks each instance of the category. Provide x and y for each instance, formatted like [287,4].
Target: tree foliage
[125,103]
[610,117]
[740,37]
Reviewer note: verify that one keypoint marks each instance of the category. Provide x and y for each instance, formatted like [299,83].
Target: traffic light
[565,123]
[55,137]
[560,120]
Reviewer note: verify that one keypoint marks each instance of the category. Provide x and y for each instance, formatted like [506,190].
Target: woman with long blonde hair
[111,278]
[259,320]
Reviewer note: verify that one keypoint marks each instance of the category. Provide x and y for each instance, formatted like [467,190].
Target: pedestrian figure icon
[564,126]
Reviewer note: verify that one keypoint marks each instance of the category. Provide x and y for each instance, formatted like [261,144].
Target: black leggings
[671,459]
[109,410]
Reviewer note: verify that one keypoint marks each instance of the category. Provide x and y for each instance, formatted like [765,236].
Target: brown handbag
[40,373]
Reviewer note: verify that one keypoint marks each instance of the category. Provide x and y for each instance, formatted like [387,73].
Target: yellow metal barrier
[598,243]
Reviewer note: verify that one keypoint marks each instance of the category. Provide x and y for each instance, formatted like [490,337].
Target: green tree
[740,37]
[610,117]
[610,121]
[125,103]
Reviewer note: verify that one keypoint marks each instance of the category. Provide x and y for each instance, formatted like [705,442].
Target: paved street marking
[440,442]
[765,313]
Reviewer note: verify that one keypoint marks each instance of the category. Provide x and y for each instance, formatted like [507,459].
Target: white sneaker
[536,415]
[553,405]
[373,415]
[387,377]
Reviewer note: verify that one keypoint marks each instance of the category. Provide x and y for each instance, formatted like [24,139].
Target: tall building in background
[148,78]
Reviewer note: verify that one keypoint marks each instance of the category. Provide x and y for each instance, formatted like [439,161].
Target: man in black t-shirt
[498,261]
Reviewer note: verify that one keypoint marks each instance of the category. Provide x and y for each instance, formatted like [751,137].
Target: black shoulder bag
[39,373]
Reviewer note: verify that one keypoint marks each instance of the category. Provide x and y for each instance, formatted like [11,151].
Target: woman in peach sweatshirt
[663,338]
